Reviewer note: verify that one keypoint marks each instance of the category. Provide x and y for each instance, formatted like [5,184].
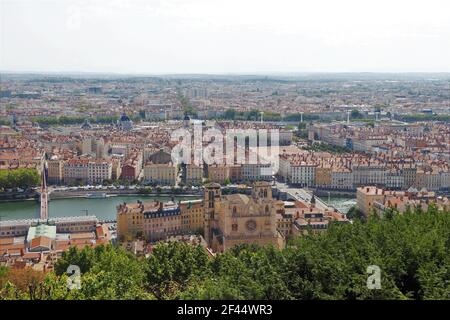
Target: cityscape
[231,185]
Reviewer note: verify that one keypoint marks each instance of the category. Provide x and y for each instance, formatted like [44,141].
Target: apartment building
[151,220]
[323,176]
[256,172]
[367,196]
[160,173]
[376,200]
[132,166]
[428,179]
[303,174]
[192,216]
[193,175]
[368,174]
[75,171]
[342,178]
[99,171]
[218,173]
[394,179]
[86,171]
[55,171]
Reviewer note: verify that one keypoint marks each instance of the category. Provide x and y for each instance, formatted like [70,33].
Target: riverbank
[17,196]
[58,195]
[70,194]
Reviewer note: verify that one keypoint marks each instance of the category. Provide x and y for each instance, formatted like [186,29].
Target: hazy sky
[226,36]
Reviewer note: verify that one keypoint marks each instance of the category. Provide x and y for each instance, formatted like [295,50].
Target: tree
[19,178]
[253,114]
[172,266]
[230,114]
[411,249]
[355,114]
[26,281]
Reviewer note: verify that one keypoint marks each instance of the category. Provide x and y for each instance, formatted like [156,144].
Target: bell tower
[262,190]
[212,195]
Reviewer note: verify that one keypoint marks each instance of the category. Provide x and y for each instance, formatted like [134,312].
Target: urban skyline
[252,150]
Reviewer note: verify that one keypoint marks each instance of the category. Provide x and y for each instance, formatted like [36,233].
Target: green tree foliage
[19,178]
[172,266]
[107,273]
[230,114]
[356,114]
[324,147]
[253,115]
[423,117]
[64,120]
[411,249]
[354,213]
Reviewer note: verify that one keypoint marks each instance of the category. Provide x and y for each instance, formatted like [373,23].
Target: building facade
[238,219]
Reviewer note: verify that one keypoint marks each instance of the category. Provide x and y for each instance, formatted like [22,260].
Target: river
[105,209]
[340,203]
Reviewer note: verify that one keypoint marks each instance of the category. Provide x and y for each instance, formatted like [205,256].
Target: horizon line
[232,73]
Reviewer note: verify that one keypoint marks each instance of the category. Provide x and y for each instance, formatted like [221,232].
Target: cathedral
[238,218]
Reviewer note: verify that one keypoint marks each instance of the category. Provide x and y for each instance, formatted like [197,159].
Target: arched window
[234,210]
[267,209]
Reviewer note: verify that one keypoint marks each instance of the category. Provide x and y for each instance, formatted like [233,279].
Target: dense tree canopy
[412,251]
[18,178]
[328,148]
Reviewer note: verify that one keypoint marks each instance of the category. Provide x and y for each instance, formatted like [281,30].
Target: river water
[105,209]
[342,204]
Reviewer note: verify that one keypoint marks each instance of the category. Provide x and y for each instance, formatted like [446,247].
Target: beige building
[377,200]
[218,173]
[54,171]
[116,169]
[238,218]
[192,216]
[153,220]
[99,171]
[194,175]
[323,177]
[366,197]
[160,173]
[75,171]
[86,171]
